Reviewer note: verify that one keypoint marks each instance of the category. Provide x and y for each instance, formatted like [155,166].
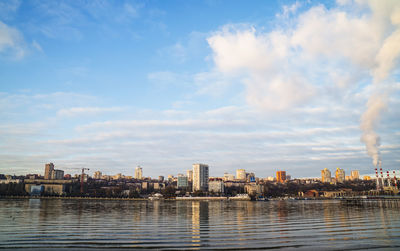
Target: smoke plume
[369,120]
[385,61]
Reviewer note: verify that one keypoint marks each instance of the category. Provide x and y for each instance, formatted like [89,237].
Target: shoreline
[369,198]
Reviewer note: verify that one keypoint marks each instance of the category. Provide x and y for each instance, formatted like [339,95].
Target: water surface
[300,225]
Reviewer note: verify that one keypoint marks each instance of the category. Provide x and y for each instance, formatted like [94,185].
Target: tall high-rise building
[281,176]
[241,174]
[200,177]
[340,175]
[189,174]
[48,171]
[138,173]
[355,175]
[326,175]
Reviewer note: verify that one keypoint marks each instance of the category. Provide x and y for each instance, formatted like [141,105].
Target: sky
[261,85]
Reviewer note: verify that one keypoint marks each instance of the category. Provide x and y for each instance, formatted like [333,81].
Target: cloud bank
[345,46]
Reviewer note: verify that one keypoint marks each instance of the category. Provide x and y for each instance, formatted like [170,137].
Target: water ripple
[301,225]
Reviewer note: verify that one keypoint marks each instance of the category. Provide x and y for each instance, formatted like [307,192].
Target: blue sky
[264,86]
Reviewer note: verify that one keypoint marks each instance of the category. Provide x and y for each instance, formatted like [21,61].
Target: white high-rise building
[138,173]
[340,175]
[326,175]
[200,177]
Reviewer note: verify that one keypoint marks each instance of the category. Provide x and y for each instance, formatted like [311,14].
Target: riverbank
[69,198]
[361,198]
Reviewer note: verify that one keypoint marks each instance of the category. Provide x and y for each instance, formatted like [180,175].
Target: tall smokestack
[382,181]
[388,179]
[377,179]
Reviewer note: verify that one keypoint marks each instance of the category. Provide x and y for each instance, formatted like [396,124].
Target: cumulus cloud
[320,52]
[285,67]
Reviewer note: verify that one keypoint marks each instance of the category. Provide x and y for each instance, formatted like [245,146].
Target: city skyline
[261,87]
[241,175]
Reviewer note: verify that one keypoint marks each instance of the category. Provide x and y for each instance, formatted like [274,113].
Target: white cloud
[262,62]
[11,42]
[287,67]
[227,138]
[325,55]
[85,111]
[289,10]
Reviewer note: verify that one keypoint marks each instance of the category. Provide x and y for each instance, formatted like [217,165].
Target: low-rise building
[216,185]
[9,181]
[57,175]
[254,189]
[182,181]
[56,187]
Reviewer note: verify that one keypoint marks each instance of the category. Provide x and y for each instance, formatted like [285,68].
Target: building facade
[216,186]
[340,175]
[254,189]
[189,174]
[326,176]
[200,177]
[182,181]
[281,176]
[57,175]
[97,175]
[48,171]
[138,173]
[229,177]
[355,175]
[241,174]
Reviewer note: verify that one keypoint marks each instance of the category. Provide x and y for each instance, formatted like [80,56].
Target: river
[301,225]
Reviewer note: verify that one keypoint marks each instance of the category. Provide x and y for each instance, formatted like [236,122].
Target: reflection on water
[304,225]
[200,223]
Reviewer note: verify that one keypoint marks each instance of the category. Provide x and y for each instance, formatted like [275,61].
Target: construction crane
[82,175]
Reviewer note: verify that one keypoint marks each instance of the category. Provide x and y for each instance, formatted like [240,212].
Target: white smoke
[369,120]
[385,61]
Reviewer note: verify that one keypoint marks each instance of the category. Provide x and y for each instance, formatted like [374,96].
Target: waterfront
[329,224]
